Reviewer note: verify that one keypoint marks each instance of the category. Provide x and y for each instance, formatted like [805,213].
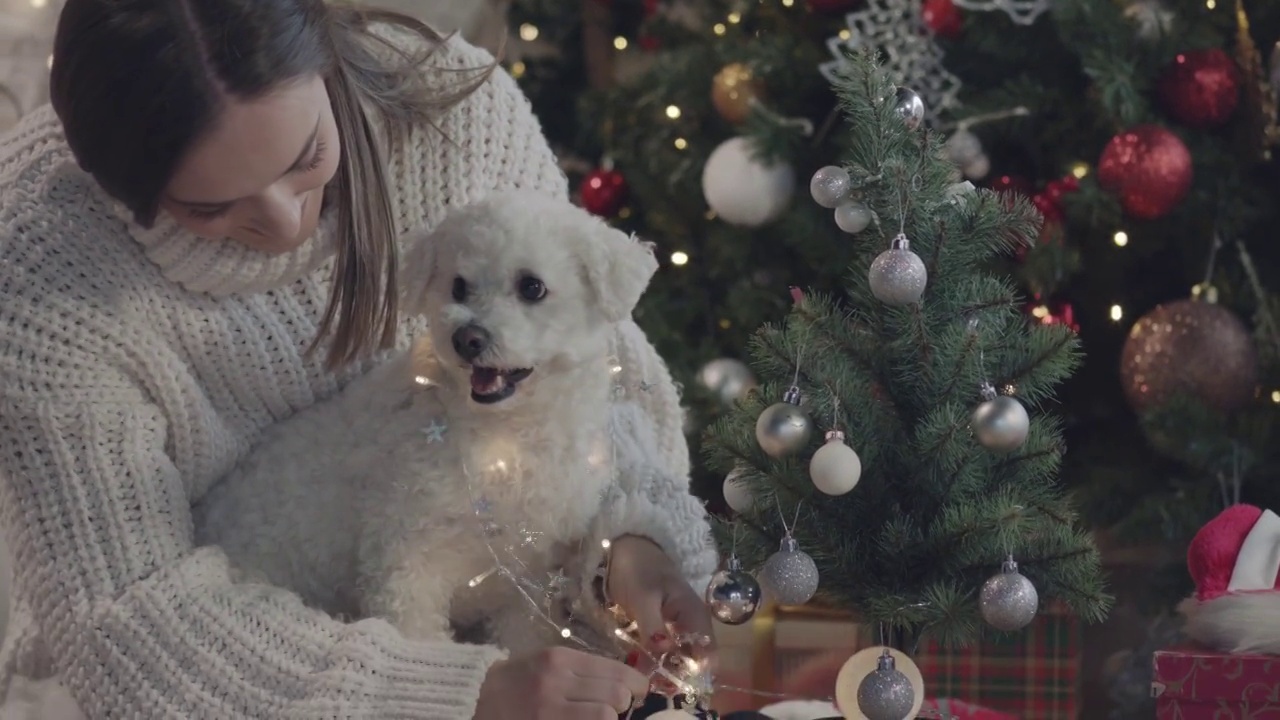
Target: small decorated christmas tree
[899,459]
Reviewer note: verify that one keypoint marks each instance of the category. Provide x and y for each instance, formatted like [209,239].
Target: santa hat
[1235,563]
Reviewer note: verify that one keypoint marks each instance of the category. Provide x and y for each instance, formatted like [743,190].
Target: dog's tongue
[485,380]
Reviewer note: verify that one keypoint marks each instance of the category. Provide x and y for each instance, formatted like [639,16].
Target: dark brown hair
[137,82]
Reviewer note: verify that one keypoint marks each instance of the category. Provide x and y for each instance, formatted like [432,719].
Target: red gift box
[960,710]
[1197,684]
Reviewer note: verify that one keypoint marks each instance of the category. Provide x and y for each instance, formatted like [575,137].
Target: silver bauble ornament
[835,469]
[1009,601]
[908,106]
[784,428]
[898,276]
[1000,423]
[733,595]
[728,378]
[853,217]
[830,186]
[736,493]
[790,576]
[886,694]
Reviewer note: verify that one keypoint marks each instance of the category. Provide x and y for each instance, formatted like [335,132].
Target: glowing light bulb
[423,380]
[39,3]
[49,63]
[481,577]
[788,3]
[673,112]
[719,28]
[1121,238]
[1211,4]
[1275,396]
[679,258]
[528,32]
[620,43]
[681,143]
[620,633]
[624,213]
[845,34]
[517,69]
[734,18]
[1040,311]
[566,633]
[606,544]
[1080,170]
[1117,313]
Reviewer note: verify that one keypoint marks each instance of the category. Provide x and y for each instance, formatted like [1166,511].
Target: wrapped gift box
[1032,675]
[1197,684]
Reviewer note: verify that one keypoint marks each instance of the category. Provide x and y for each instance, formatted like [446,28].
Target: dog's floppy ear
[618,268]
[417,271]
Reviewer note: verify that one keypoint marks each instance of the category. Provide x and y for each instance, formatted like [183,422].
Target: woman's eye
[459,289]
[208,214]
[532,289]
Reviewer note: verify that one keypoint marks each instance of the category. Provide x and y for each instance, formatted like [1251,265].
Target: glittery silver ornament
[908,105]
[963,147]
[1000,423]
[784,428]
[886,694]
[898,276]
[1009,601]
[830,186]
[733,595]
[853,217]
[790,576]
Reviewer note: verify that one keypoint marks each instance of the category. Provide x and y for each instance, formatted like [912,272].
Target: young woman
[198,239]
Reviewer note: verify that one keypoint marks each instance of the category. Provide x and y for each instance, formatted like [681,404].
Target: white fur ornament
[744,191]
[1235,562]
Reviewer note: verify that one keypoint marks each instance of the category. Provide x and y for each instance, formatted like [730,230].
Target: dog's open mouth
[491,385]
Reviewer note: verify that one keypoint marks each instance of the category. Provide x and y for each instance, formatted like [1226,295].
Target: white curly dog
[507,403]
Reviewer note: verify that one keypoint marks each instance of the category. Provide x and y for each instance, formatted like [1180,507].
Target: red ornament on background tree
[1201,88]
[943,18]
[603,192]
[1148,168]
[832,6]
[1052,312]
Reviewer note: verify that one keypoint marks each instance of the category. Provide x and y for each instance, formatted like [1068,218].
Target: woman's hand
[559,684]
[648,586]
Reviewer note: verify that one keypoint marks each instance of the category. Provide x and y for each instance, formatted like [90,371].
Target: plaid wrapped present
[1032,675]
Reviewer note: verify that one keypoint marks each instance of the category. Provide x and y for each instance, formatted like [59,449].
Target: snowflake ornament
[1021,12]
[906,46]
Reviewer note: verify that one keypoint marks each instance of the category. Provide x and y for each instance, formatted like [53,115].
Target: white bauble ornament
[835,469]
[741,189]
[728,378]
[670,715]
[736,493]
[862,664]
[963,147]
[978,168]
[853,217]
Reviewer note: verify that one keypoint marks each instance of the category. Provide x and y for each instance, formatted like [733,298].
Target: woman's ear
[618,268]
[417,271]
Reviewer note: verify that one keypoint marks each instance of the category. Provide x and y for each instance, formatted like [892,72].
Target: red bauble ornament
[832,6]
[1148,168]
[1012,184]
[1048,207]
[1201,88]
[603,192]
[942,17]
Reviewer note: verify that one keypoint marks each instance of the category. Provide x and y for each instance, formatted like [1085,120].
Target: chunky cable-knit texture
[137,367]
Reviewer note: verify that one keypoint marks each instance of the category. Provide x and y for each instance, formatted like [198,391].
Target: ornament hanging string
[804,125]
[984,118]
[1266,319]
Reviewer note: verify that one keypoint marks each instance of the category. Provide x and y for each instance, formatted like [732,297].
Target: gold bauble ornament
[1189,347]
[733,90]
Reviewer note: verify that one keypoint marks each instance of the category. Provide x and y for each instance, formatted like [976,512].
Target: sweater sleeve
[140,623]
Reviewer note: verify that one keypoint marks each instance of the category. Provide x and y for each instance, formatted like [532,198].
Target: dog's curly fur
[377,517]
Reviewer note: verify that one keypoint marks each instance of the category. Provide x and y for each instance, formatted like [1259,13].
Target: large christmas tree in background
[1140,129]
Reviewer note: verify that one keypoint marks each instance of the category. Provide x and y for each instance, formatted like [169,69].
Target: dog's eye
[459,289]
[532,289]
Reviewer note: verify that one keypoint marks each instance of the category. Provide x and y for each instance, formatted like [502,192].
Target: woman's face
[258,176]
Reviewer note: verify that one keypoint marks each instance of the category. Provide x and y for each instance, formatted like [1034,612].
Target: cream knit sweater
[138,366]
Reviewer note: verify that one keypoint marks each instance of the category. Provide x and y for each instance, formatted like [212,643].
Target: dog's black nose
[471,340]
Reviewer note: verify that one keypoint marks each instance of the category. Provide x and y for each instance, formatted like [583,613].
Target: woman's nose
[281,214]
